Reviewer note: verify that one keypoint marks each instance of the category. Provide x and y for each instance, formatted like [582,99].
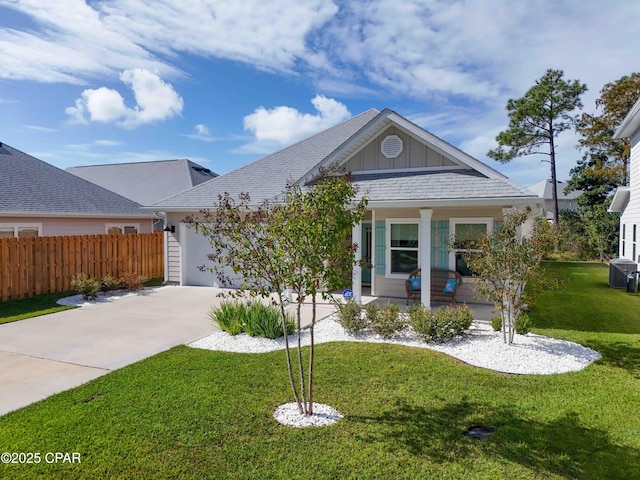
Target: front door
[366,252]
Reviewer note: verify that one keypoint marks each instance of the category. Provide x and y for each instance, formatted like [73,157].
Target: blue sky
[226,82]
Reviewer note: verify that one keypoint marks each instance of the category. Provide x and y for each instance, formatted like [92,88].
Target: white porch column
[425,256]
[356,280]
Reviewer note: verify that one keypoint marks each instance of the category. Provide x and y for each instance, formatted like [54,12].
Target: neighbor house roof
[146,182]
[630,124]
[267,177]
[544,189]
[29,186]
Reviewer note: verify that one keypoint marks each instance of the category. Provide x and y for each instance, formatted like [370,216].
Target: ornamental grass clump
[86,285]
[110,283]
[389,321]
[230,316]
[265,321]
[350,317]
[132,281]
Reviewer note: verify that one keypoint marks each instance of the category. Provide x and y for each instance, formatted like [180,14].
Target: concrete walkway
[44,355]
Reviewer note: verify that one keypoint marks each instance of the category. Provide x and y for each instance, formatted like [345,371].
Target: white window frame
[388,223]
[16,226]
[121,226]
[488,221]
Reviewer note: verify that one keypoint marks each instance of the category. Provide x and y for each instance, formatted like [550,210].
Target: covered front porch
[395,241]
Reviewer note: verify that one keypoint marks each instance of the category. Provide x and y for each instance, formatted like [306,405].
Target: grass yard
[190,413]
[14,310]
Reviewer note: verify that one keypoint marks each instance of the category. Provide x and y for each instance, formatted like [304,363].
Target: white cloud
[201,132]
[155,101]
[281,126]
[38,128]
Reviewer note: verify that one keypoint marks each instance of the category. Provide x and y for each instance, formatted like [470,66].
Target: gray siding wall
[414,155]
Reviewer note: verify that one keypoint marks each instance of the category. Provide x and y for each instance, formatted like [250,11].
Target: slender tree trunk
[300,364]
[554,183]
[311,353]
[288,354]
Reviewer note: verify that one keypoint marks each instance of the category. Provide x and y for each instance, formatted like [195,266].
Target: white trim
[121,226]
[462,202]
[424,249]
[140,216]
[17,225]
[387,253]
[409,170]
[356,273]
[488,221]
[630,124]
[373,253]
[620,199]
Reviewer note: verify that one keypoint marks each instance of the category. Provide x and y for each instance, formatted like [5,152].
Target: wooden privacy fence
[31,266]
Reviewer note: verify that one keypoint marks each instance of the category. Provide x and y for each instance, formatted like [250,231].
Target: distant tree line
[551,107]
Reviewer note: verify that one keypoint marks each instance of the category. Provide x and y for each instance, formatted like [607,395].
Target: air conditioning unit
[619,269]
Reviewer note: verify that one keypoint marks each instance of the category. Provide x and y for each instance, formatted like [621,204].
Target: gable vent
[391,146]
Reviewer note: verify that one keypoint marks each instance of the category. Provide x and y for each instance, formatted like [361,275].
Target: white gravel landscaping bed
[104,297]
[481,347]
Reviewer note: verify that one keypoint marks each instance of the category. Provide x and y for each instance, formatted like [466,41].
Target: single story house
[626,199]
[38,199]
[421,191]
[566,201]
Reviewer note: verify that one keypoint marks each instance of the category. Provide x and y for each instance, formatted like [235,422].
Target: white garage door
[196,247]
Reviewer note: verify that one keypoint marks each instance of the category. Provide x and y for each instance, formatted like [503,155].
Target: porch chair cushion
[450,286]
[415,284]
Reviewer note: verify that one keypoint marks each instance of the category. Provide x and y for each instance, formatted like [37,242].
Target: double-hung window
[21,230]
[465,233]
[402,252]
[113,228]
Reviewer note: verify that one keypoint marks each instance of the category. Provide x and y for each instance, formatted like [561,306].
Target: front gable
[395,149]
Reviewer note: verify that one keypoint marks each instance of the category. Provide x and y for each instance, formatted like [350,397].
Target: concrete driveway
[44,355]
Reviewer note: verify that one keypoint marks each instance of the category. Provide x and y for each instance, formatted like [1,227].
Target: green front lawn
[13,310]
[190,413]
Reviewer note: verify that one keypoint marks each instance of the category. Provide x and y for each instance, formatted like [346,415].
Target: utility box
[619,270]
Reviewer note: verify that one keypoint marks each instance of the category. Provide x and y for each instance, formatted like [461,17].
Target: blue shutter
[443,244]
[381,250]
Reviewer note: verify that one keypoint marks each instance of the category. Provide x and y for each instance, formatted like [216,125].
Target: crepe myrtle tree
[297,241]
[506,262]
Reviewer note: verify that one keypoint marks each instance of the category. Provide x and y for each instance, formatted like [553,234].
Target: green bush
[523,324]
[266,321]
[350,316]
[441,326]
[85,285]
[109,283]
[372,312]
[389,321]
[132,281]
[256,319]
[230,316]
[496,323]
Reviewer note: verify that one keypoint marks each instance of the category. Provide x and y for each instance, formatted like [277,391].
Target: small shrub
[132,281]
[372,312]
[523,324]
[266,321]
[443,325]
[496,323]
[350,316]
[86,285]
[423,322]
[230,316]
[109,283]
[389,321]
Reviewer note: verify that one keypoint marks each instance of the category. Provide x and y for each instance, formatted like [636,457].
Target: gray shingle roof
[440,185]
[146,182]
[267,177]
[29,185]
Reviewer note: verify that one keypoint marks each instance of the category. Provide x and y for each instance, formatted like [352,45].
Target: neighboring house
[626,200]
[421,191]
[146,183]
[38,199]
[544,190]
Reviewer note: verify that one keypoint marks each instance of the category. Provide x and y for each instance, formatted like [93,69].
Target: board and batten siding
[414,155]
[631,214]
